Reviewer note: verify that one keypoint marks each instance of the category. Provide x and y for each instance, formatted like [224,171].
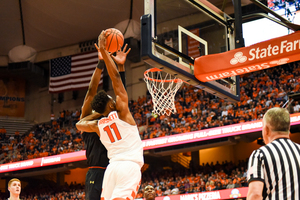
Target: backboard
[175,32]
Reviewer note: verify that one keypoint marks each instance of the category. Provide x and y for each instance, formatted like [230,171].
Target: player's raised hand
[99,53]
[121,55]
[102,40]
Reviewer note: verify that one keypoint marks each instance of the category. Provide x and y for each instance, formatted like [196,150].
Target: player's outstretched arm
[112,69]
[120,59]
[120,92]
[89,123]
[93,86]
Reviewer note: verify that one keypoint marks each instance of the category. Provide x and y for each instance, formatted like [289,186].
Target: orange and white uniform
[125,152]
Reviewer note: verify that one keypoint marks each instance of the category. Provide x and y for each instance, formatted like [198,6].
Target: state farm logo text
[258,53]
[248,69]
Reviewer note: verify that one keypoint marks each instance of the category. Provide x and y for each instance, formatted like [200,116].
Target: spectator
[202,188]
[175,191]
[218,186]
[230,184]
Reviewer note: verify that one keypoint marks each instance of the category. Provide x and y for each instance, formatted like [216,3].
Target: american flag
[72,72]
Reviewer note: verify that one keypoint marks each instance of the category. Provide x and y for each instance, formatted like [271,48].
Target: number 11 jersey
[122,140]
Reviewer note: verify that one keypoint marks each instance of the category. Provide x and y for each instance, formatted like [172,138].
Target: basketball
[114,40]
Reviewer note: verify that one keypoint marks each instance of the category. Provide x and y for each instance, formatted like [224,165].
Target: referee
[96,153]
[273,170]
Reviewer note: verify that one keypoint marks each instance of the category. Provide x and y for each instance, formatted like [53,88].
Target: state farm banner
[244,60]
[12,97]
[212,195]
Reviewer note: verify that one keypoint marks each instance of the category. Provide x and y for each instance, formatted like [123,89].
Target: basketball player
[118,133]
[149,192]
[14,188]
[96,153]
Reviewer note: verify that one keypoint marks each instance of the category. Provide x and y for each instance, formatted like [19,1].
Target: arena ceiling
[48,25]
[56,23]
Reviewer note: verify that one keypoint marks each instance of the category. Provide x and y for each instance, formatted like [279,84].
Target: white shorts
[121,181]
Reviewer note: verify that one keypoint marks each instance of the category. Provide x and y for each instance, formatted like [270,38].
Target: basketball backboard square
[175,32]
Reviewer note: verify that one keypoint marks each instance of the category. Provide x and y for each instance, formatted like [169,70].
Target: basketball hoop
[162,88]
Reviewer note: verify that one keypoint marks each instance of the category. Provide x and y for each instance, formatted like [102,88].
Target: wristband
[101,64]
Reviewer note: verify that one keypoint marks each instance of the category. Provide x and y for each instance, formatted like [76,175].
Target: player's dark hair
[100,101]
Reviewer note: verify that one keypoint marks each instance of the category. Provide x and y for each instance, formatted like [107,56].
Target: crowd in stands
[44,140]
[196,110]
[169,181]
[207,177]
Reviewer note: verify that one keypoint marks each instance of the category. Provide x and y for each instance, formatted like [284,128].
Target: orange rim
[159,80]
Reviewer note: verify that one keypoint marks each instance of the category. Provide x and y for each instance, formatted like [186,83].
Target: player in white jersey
[121,139]
[119,134]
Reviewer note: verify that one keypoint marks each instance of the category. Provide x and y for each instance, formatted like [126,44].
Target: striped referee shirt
[277,164]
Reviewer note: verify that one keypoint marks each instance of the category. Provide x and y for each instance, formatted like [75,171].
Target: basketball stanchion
[162,87]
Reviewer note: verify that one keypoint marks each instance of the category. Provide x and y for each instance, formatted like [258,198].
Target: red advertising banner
[45,161]
[218,194]
[207,134]
[244,60]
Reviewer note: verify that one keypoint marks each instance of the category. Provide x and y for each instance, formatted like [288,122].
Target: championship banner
[234,193]
[244,60]
[12,97]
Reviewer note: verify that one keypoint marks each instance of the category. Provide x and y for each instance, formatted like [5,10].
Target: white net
[162,88]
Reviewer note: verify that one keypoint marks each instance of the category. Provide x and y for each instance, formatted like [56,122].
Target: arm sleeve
[255,167]
[122,74]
